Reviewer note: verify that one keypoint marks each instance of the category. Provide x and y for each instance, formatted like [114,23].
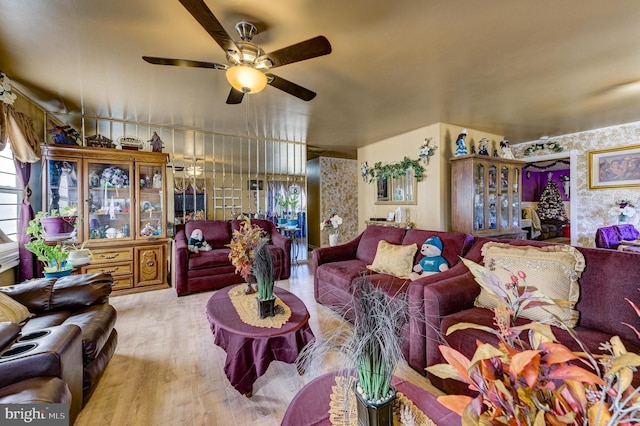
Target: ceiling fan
[247,63]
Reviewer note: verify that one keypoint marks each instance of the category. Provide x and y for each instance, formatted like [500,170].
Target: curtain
[28,264]
[17,129]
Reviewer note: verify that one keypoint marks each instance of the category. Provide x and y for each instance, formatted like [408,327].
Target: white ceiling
[518,68]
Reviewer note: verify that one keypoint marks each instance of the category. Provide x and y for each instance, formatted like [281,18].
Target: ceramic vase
[333,239]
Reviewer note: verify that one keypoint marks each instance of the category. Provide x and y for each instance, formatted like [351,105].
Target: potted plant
[288,203]
[244,241]
[262,269]
[370,348]
[537,381]
[52,254]
[58,223]
[78,254]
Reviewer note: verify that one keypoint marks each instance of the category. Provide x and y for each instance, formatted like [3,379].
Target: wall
[591,206]
[433,207]
[338,191]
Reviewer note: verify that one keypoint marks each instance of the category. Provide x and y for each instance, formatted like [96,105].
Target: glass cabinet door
[478,194]
[493,197]
[515,197]
[63,187]
[151,203]
[505,202]
[109,200]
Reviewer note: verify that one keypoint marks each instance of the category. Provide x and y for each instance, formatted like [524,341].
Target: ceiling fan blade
[210,23]
[235,96]
[290,88]
[312,48]
[184,63]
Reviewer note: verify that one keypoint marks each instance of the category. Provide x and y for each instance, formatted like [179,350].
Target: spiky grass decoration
[372,347]
[263,270]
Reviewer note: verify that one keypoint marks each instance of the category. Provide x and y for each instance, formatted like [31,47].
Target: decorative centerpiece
[262,269]
[371,348]
[623,209]
[537,381]
[243,244]
[331,225]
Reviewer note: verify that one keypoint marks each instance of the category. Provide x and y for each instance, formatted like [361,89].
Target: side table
[311,404]
[251,349]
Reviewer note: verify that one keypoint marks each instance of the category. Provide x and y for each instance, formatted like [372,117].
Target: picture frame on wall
[614,167]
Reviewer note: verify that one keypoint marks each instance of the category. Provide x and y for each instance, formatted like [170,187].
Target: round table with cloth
[251,349]
[311,406]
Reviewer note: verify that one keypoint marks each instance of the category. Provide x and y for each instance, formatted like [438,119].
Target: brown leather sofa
[71,336]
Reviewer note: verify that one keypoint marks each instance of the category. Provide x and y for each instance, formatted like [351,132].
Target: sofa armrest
[444,298]
[337,253]
[181,265]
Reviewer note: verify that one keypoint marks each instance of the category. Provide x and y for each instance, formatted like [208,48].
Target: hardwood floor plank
[167,371]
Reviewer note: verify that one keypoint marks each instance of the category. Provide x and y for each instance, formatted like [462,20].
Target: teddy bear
[432,262]
[197,243]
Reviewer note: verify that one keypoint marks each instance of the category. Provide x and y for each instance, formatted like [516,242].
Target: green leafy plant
[288,201]
[54,256]
[535,380]
[396,170]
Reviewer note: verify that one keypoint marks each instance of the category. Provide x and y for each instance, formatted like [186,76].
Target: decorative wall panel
[339,193]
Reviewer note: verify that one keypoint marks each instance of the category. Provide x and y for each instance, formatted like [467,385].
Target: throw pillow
[12,311]
[393,259]
[554,270]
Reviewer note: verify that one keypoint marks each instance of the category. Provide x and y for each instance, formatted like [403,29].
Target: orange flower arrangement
[243,245]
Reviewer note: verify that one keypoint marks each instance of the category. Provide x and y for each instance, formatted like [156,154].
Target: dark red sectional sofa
[438,301]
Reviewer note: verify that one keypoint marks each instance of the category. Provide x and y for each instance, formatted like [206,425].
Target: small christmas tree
[550,206]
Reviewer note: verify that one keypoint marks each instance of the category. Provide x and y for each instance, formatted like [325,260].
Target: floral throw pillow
[554,270]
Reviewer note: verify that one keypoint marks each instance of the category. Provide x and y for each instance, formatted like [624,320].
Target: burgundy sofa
[211,270]
[60,353]
[336,270]
[609,277]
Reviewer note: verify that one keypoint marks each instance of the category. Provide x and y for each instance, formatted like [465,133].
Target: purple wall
[534,185]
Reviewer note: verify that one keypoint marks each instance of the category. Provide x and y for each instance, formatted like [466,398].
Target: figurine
[156,143]
[473,149]
[157,180]
[461,146]
[197,242]
[505,150]
[484,149]
[495,153]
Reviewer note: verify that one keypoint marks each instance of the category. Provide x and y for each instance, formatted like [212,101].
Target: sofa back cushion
[372,236]
[216,232]
[553,270]
[454,244]
[610,277]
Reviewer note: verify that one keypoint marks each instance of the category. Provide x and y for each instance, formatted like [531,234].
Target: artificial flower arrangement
[623,207]
[332,223]
[114,177]
[426,150]
[537,381]
[243,244]
[6,94]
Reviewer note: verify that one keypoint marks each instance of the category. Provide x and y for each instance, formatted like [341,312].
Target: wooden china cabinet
[486,196]
[120,196]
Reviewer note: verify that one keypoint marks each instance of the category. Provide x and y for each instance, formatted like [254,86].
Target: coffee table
[251,349]
[311,405]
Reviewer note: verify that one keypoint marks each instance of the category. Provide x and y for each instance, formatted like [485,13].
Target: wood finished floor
[167,371]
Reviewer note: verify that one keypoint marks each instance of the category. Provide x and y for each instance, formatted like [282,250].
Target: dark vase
[375,415]
[267,307]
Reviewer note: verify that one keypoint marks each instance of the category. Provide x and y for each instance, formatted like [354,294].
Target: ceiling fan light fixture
[246,79]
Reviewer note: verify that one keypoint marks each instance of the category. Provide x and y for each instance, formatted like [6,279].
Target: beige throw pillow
[553,270]
[12,311]
[392,259]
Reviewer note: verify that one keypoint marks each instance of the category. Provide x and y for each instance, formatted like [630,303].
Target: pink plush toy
[197,243]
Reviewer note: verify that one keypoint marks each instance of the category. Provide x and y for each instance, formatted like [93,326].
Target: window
[11,193]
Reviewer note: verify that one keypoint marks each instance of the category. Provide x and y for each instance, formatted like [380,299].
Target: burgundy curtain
[28,263]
